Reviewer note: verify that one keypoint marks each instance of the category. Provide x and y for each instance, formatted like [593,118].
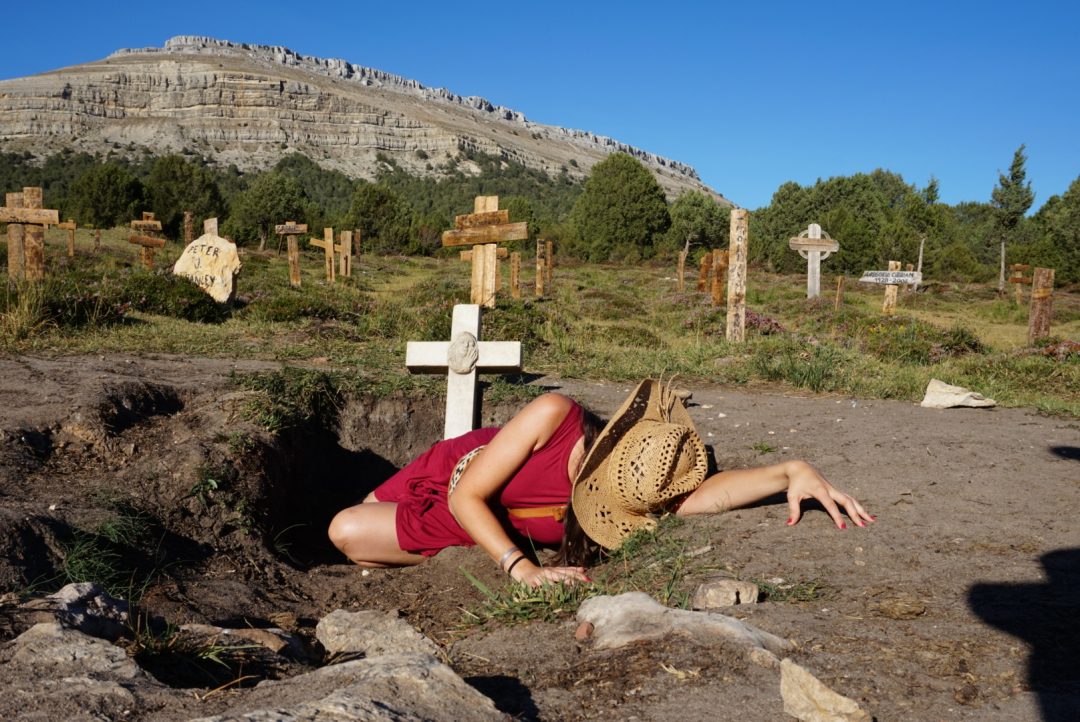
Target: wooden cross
[69,226]
[815,246]
[484,227]
[292,229]
[1017,277]
[461,358]
[719,264]
[148,243]
[26,221]
[327,244]
[344,247]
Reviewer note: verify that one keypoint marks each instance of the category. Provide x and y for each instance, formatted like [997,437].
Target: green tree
[1012,197]
[177,185]
[698,220]
[1058,244]
[621,212]
[105,195]
[271,199]
[382,216]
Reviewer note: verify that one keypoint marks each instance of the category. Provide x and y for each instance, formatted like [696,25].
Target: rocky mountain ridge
[251,104]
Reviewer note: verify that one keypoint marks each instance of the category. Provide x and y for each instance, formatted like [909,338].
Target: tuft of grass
[791,592]
[763,447]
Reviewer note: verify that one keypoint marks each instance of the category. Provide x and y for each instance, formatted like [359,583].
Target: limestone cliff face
[251,104]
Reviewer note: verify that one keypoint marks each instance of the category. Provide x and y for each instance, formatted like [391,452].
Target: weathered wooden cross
[345,248]
[148,243]
[815,246]
[1017,277]
[892,280]
[498,252]
[719,266]
[26,221]
[327,244]
[292,229]
[461,358]
[69,226]
[482,229]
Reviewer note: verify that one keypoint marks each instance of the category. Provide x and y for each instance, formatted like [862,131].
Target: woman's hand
[804,482]
[533,576]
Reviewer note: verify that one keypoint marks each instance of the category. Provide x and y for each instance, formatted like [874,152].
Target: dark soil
[960,603]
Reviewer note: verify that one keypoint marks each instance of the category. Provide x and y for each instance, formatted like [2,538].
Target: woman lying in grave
[501,488]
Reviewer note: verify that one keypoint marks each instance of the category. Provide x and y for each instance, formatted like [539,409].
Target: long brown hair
[577,549]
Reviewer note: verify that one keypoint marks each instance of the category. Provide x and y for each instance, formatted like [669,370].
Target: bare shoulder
[541,417]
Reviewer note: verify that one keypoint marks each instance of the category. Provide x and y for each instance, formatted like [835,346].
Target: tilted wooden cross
[148,243]
[26,221]
[327,244]
[461,358]
[482,229]
[292,229]
[815,246]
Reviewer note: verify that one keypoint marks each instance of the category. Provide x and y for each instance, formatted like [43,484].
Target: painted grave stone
[815,246]
[292,229]
[737,256]
[461,358]
[149,240]
[212,262]
[482,229]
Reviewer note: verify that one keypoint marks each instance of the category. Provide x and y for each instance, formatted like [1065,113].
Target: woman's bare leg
[799,480]
[367,535]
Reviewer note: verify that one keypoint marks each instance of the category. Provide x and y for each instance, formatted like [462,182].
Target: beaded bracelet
[506,555]
[514,564]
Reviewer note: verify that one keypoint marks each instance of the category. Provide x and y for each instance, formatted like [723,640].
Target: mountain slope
[250,105]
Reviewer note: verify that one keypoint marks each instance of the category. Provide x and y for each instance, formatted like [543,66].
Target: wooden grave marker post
[719,266]
[839,292]
[30,218]
[815,246]
[706,269]
[97,240]
[1017,278]
[549,264]
[540,275]
[892,279]
[736,295]
[1042,302]
[483,229]
[327,244]
[461,358]
[344,247]
[69,226]
[515,274]
[189,227]
[147,241]
[292,229]
[16,234]
[680,280]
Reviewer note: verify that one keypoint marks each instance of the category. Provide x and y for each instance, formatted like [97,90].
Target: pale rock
[940,395]
[807,699]
[389,687]
[724,593]
[370,632]
[635,616]
[84,606]
[212,263]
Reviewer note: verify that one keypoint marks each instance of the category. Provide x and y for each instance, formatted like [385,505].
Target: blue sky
[750,94]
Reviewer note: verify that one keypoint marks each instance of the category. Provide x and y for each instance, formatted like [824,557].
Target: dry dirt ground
[959,603]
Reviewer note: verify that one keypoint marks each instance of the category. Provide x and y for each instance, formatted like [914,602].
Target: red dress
[424,523]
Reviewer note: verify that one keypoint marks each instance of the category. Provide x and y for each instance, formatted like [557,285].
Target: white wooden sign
[891,278]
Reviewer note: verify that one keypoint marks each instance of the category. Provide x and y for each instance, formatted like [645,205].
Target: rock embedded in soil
[84,606]
[635,616]
[388,687]
[724,593]
[371,633]
[807,699]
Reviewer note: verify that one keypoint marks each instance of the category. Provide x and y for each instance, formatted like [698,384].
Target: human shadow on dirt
[1044,615]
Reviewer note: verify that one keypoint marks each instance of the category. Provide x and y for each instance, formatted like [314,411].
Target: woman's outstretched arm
[799,480]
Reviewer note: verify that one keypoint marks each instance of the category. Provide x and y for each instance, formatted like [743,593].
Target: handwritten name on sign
[212,263]
[891,278]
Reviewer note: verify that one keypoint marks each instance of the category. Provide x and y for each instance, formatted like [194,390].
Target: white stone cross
[461,358]
[815,246]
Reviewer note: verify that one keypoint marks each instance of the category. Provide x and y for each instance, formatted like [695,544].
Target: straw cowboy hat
[646,456]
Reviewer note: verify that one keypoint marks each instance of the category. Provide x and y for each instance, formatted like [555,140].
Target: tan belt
[558,512]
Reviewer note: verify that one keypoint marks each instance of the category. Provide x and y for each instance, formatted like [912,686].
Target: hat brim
[650,401]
